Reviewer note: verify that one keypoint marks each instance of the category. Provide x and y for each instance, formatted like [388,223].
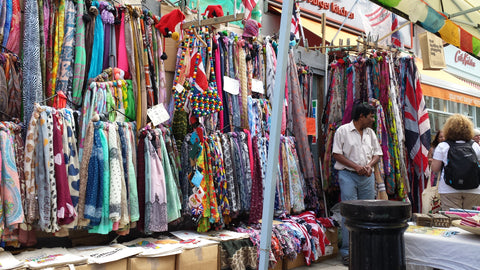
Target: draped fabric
[32,83]
[392,86]
[80,55]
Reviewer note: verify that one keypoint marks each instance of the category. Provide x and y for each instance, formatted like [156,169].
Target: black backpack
[462,170]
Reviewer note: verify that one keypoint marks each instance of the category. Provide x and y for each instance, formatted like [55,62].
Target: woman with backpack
[458,159]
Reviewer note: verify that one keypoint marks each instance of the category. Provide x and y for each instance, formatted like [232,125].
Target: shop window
[477,114]
[428,102]
[439,104]
[437,120]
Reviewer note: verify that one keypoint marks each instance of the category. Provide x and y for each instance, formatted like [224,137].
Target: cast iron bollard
[376,233]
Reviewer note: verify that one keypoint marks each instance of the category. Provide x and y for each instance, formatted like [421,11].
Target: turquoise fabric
[434,21]
[106,224]
[96,64]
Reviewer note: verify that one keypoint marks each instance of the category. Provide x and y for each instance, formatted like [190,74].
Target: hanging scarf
[13,43]
[11,195]
[65,74]
[80,55]
[96,63]
[65,210]
[58,39]
[8,21]
[32,83]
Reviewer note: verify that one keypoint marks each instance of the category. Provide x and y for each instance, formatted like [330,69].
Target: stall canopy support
[215,20]
[272,163]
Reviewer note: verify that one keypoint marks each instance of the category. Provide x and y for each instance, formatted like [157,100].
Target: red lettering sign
[464,58]
[334,8]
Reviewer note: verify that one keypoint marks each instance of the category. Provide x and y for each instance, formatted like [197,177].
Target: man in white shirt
[356,151]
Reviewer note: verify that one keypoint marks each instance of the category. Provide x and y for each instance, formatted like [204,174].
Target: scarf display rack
[388,80]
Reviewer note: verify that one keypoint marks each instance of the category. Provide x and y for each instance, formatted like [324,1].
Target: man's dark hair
[361,108]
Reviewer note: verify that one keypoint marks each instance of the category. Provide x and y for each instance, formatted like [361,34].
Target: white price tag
[257,86]
[179,88]
[158,114]
[231,86]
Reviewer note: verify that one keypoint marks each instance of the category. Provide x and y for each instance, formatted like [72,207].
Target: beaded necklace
[180,95]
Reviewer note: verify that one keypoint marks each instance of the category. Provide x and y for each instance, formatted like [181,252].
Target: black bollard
[376,233]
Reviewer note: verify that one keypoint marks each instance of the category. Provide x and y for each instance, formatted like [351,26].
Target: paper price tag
[257,86]
[231,86]
[179,88]
[158,114]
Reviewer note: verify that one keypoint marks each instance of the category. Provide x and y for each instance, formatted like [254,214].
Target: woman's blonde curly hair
[458,127]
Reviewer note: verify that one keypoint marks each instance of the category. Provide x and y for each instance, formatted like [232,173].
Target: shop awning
[455,21]
[443,85]
[316,28]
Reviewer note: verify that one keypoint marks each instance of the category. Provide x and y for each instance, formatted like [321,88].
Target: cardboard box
[116,265]
[332,236]
[157,263]
[433,55]
[203,258]
[278,266]
[299,261]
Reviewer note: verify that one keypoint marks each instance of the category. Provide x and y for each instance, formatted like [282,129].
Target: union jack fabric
[249,6]
[395,36]
[417,129]
[294,30]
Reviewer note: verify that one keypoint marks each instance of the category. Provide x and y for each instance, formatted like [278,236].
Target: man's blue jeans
[354,187]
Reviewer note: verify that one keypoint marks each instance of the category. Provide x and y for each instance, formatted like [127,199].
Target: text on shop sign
[334,8]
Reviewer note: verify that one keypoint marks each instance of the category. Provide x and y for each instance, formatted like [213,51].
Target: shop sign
[464,58]
[334,8]
[462,64]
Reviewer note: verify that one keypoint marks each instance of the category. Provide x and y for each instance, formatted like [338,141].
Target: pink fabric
[122,49]
[219,84]
[13,43]
[347,116]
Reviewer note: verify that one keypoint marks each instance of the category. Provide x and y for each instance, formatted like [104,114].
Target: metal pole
[272,163]
[344,20]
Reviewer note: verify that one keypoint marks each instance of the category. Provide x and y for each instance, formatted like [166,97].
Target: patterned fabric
[246,167]
[116,175]
[32,81]
[233,197]
[94,187]
[57,47]
[80,55]
[238,254]
[132,179]
[174,205]
[13,43]
[238,171]
[106,224]
[271,66]
[256,203]
[185,170]
[242,70]
[65,209]
[10,193]
[156,203]
[299,128]
[296,180]
[65,73]
[14,87]
[71,155]
[221,181]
